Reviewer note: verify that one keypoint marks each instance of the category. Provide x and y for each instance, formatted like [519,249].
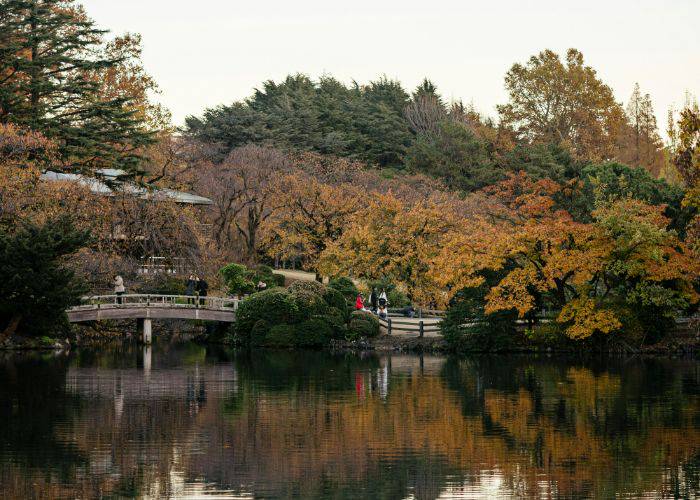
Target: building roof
[100,187]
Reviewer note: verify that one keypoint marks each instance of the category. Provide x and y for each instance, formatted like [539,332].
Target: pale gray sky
[207,52]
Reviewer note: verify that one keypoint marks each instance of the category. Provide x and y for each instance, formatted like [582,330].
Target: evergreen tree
[454,155]
[35,285]
[50,82]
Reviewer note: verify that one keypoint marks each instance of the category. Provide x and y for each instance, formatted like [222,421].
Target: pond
[186,421]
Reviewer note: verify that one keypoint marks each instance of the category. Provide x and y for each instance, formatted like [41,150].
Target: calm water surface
[192,422]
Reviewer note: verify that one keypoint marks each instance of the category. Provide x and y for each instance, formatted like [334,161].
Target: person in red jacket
[359,304]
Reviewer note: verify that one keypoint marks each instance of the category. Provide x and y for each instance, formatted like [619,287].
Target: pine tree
[35,285]
[50,82]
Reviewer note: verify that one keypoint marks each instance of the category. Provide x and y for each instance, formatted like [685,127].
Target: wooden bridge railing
[151,300]
[396,323]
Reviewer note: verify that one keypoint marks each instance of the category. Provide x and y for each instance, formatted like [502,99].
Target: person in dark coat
[190,288]
[202,289]
[373,297]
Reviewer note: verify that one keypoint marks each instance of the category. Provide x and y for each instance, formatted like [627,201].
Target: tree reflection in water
[183,420]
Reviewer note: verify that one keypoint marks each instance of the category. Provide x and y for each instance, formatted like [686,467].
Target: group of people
[196,286]
[378,303]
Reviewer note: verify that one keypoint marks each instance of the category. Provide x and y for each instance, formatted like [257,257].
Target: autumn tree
[49,59]
[396,241]
[687,163]
[551,101]
[245,192]
[312,215]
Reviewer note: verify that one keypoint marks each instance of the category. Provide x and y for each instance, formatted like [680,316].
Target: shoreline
[681,344]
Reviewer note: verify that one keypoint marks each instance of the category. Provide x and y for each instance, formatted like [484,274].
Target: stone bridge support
[144,330]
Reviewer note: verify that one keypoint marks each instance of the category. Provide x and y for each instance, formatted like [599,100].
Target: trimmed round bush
[313,333]
[308,303]
[344,286]
[259,332]
[275,306]
[363,324]
[307,286]
[281,336]
[335,299]
[336,321]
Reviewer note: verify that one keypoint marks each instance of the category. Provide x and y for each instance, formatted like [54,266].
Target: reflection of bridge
[145,308]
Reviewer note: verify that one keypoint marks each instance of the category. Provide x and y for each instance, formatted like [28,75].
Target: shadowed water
[189,421]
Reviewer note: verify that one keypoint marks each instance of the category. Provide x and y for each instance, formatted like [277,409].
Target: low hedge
[275,306]
[362,324]
[307,314]
[281,336]
[313,332]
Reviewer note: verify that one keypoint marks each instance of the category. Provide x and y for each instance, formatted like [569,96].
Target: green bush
[309,303]
[281,336]
[547,334]
[346,287]
[362,324]
[275,306]
[336,321]
[259,332]
[240,280]
[487,332]
[335,299]
[313,333]
[308,286]
[237,279]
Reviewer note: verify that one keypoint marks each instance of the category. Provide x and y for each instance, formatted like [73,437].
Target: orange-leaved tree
[312,215]
[394,240]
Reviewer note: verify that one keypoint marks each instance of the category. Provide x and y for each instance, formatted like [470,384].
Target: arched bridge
[145,308]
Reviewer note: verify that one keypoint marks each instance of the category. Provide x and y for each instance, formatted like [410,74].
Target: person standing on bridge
[190,287]
[202,289]
[119,288]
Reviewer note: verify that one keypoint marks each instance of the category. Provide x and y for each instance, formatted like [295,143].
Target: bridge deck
[137,306]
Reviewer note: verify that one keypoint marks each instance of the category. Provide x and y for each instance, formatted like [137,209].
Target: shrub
[346,287]
[492,332]
[275,306]
[336,321]
[240,280]
[309,303]
[545,334]
[363,324]
[281,336]
[308,286]
[313,333]
[259,332]
[335,299]
[237,279]
[278,279]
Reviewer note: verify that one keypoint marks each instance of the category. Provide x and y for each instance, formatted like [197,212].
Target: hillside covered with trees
[567,203]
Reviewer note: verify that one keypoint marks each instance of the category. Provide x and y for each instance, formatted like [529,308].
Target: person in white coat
[119,288]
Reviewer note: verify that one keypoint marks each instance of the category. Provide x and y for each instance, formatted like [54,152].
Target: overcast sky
[207,52]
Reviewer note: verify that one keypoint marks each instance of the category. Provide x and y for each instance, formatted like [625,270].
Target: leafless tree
[424,114]
[242,189]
